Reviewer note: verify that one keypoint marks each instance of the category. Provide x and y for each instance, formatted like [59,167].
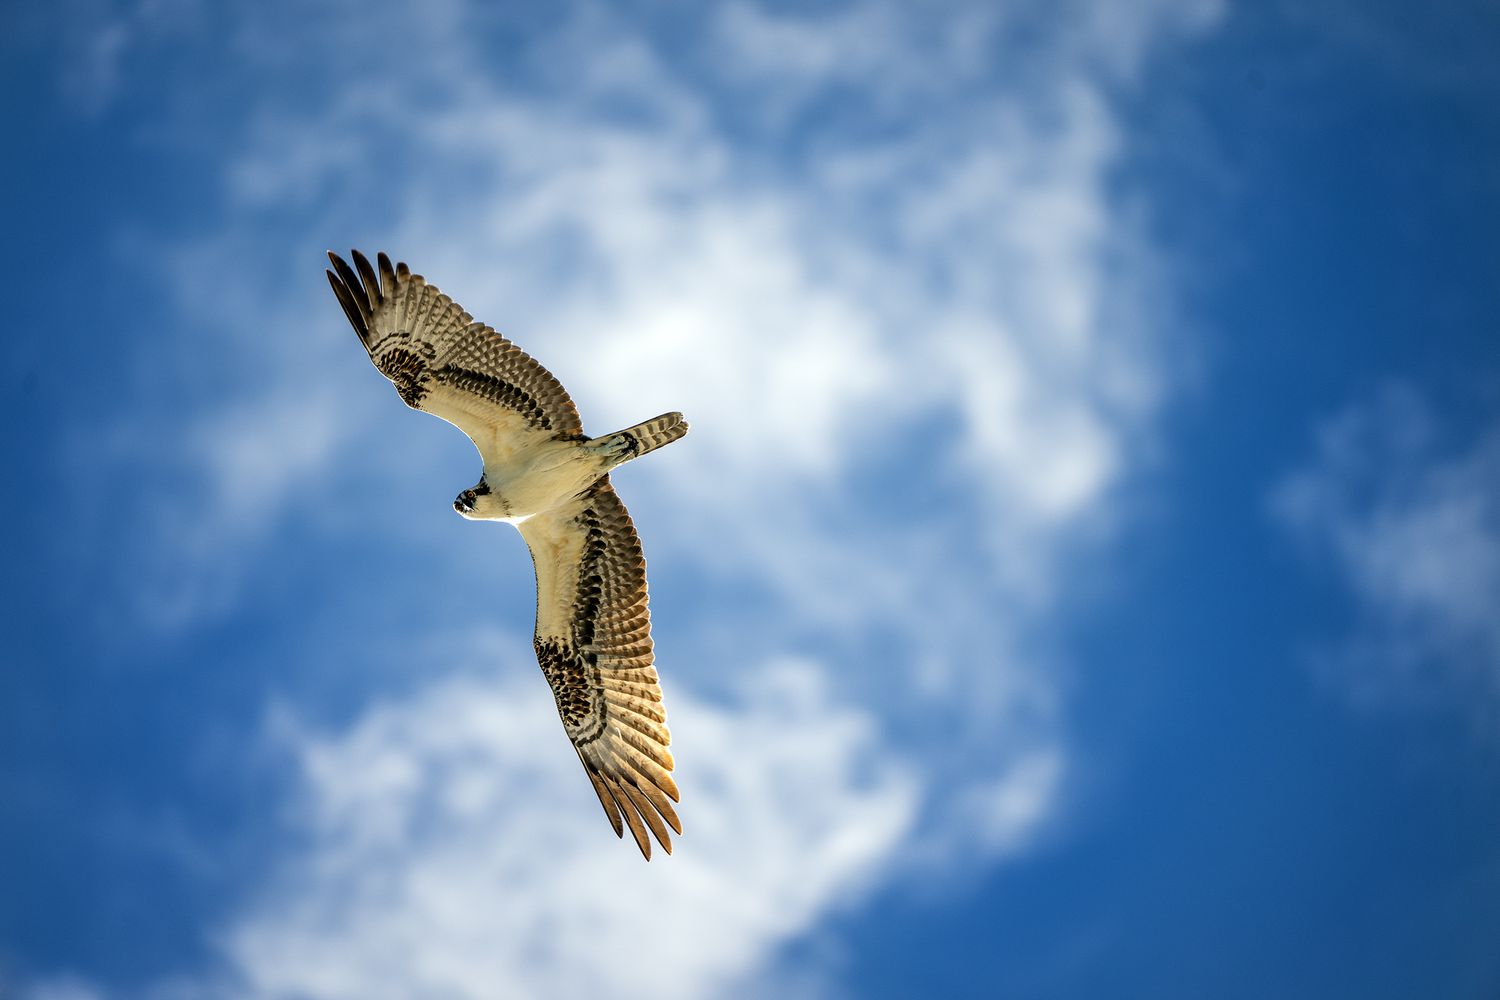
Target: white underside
[536,479]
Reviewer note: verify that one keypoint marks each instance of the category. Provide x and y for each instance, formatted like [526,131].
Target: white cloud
[1414,531]
[453,849]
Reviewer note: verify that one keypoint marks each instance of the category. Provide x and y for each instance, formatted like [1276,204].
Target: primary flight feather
[549,479]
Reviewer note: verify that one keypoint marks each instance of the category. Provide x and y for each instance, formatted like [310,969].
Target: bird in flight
[544,475]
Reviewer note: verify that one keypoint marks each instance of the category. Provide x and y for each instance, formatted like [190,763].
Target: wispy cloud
[452,850]
[1413,528]
[100,39]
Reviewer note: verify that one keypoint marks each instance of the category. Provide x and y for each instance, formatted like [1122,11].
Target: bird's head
[479,503]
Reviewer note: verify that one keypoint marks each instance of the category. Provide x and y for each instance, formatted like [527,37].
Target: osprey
[544,475]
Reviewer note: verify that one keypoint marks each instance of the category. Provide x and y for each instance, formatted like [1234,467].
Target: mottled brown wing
[593,641]
[444,363]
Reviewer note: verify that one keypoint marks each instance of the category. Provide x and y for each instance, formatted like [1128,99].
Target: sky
[1081,578]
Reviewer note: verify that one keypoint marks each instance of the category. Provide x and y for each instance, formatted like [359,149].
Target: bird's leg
[616,449]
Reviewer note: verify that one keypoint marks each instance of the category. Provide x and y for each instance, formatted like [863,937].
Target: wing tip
[629,806]
[361,288]
[353,305]
[368,279]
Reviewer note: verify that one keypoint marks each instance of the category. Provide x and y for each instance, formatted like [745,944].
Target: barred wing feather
[593,641]
[444,363]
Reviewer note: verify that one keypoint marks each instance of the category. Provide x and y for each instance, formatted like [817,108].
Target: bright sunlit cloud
[452,849]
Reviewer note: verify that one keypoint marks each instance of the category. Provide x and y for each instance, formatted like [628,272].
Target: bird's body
[549,479]
[534,479]
[548,471]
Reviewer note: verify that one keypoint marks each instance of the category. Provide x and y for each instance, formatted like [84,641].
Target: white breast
[541,477]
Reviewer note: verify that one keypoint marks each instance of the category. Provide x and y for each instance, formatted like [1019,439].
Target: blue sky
[1080,580]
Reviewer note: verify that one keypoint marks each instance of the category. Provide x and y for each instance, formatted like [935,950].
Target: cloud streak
[1413,529]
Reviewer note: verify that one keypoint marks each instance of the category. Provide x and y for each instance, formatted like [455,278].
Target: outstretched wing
[593,641]
[444,363]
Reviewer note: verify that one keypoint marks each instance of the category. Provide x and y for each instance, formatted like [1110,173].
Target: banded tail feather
[646,436]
